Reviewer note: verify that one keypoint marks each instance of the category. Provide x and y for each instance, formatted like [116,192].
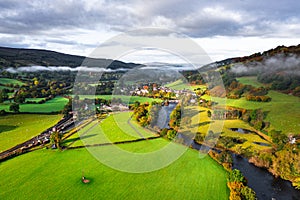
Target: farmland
[282,106]
[180,85]
[204,124]
[114,128]
[15,129]
[34,99]
[53,105]
[250,80]
[5,81]
[58,174]
[124,98]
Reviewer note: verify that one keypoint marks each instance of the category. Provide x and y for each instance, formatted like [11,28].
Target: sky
[222,28]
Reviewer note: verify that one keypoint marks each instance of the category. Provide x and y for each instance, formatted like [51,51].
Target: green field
[203,124]
[250,80]
[53,105]
[283,110]
[34,99]
[10,81]
[4,87]
[114,128]
[125,99]
[180,85]
[15,129]
[57,175]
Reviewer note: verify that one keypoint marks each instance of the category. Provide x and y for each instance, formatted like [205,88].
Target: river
[265,185]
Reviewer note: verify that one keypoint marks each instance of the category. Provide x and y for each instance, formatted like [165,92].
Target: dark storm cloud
[51,18]
[31,18]
[34,17]
[227,18]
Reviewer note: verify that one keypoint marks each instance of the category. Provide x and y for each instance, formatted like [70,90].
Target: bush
[208,113]
[2,112]
[14,107]
[164,132]
[250,97]
[171,134]
[236,176]
[42,101]
[247,193]
[238,189]
[199,137]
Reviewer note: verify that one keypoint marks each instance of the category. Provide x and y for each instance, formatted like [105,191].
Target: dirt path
[137,131]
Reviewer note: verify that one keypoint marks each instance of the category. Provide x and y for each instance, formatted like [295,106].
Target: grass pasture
[115,128]
[5,81]
[35,99]
[57,175]
[4,87]
[283,112]
[53,105]
[15,129]
[250,80]
[204,124]
[180,85]
[125,99]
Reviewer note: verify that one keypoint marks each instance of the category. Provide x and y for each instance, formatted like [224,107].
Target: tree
[136,104]
[164,132]
[296,183]
[2,112]
[208,113]
[14,107]
[67,108]
[55,138]
[3,96]
[141,114]
[171,134]
[280,139]
[247,193]
[175,117]
[236,176]
[199,137]
[19,98]
[35,81]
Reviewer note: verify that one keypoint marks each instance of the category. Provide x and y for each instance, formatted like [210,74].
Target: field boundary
[114,143]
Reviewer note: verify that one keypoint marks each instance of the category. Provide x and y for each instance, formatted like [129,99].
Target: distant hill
[278,68]
[15,57]
[260,56]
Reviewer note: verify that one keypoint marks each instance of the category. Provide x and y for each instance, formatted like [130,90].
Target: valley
[243,116]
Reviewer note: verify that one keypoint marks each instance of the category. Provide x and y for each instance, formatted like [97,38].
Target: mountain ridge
[259,56]
[18,57]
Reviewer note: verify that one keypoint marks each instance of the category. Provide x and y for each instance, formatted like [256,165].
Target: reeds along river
[266,186]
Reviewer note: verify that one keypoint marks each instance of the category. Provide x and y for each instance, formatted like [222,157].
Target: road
[43,138]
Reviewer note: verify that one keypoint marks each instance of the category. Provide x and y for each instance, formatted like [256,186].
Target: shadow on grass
[190,112]
[201,124]
[78,138]
[4,128]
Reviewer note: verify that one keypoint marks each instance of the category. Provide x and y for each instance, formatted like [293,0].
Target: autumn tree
[56,139]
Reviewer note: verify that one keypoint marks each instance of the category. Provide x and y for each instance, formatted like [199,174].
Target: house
[292,139]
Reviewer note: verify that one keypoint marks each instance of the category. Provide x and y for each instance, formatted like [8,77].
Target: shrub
[164,132]
[171,134]
[2,112]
